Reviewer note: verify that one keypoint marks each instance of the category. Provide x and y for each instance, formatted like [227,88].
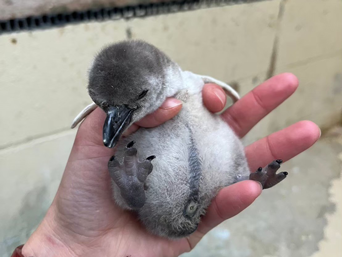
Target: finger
[229,202]
[284,144]
[255,105]
[130,130]
[167,111]
[214,98]
[90,130]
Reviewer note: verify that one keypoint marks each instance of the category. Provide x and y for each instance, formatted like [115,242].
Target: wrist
[45,242]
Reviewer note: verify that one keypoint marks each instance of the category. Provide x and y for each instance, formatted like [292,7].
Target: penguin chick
[194,155]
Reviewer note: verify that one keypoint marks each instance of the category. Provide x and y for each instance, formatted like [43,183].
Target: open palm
[83,219]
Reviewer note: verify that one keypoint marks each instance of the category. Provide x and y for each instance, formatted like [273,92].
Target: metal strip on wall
[61,19]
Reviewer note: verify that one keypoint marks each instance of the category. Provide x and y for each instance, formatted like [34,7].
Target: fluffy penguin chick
[168,174]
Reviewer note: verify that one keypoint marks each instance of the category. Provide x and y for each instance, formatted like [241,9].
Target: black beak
[118,119]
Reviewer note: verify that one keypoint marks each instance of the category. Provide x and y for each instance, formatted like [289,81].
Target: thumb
[229,202]
[169,109]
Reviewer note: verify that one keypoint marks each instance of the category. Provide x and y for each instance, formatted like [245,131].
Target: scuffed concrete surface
[331,244]
[291,220]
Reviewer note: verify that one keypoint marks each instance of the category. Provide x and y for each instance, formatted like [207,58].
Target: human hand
[83,219]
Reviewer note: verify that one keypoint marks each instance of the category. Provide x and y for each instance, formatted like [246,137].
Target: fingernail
[221,96]
[171,103]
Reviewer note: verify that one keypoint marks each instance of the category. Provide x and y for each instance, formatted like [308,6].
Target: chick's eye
[143,93]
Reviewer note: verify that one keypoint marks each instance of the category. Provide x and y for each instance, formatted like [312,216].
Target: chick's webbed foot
[130,176]
[267,176]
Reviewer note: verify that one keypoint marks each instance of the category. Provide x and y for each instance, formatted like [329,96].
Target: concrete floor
[300,217]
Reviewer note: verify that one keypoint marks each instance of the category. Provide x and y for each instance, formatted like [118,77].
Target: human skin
[83,219]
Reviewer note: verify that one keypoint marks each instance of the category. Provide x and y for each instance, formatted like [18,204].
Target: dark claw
[113,163]
[272,181]
[285,173]
[267,176]
[150,158]
[130,144]
[131,151]
[273,167]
